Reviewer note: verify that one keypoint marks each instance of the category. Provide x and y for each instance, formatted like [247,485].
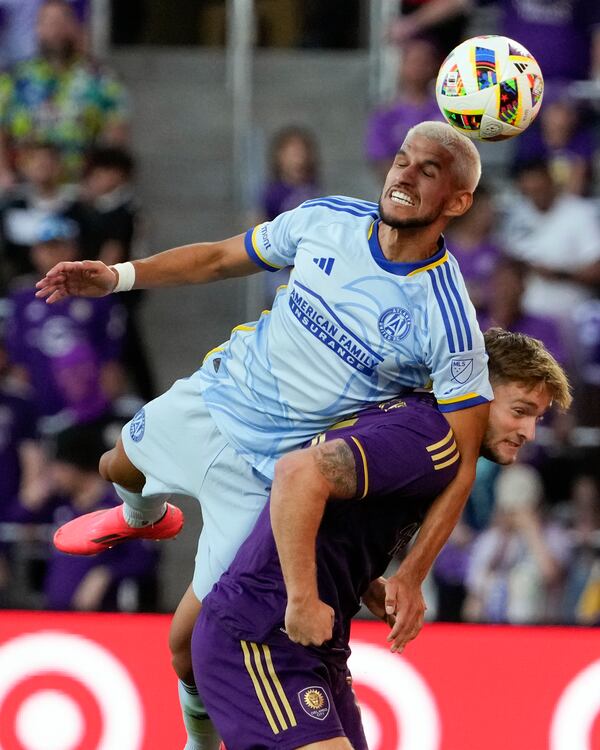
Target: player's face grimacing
[419,186]
[514,414]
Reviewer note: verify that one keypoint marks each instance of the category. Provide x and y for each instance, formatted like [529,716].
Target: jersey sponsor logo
[318,318]
[461,370]
[315,702]
[395,324]
[138,426]
[264,235]
[325,264]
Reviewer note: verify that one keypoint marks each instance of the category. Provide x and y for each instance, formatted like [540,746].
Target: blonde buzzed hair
[517,358]
[466,165]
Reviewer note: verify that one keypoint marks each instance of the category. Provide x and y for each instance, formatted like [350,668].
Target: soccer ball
[490,87]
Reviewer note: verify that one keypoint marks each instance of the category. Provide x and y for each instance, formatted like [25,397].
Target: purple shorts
[275,694]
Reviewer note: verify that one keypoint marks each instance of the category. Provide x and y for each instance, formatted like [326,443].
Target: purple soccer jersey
[52,341]
[405,455]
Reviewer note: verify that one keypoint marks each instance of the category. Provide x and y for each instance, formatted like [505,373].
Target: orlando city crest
[461,369]
[315,702]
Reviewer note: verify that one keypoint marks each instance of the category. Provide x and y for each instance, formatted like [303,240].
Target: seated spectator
[563,139]
[294,172]
[582,589]
[505,309]
[586,335]
[59,96]
[517,567]
[45,341]
[23,206]
[388,125]
[93,583]
[418,20]
[110,222]
[471,242]
[558,237]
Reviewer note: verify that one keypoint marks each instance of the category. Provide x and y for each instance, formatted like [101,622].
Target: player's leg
[200,730]
[270,694]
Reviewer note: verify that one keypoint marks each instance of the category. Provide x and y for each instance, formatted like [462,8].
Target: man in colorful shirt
[59,97]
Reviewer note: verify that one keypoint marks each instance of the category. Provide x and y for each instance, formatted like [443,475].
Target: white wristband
[125,276]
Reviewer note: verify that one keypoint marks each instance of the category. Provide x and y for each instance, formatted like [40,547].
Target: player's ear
[460,202]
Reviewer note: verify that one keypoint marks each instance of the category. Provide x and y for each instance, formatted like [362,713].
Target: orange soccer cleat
[98,531]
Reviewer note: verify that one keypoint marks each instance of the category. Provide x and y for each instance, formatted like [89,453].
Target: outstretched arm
[190,264]
[304,481]
[403,590]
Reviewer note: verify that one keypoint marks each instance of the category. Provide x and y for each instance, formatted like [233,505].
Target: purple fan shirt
[405,455]
[556,32]
[17,425]
[538,327]
[387,127]
[53,342]
[133,560]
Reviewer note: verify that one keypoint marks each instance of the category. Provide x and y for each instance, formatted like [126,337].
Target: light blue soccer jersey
[350,328]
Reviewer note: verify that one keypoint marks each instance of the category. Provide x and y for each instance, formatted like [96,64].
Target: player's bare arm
[198,263]
[304,481]
[403,590]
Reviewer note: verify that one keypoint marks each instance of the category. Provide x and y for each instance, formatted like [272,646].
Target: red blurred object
[456,686]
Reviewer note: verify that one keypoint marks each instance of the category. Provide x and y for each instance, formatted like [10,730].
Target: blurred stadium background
[215,115]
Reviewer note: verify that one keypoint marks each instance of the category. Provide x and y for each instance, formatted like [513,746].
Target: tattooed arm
[304,481]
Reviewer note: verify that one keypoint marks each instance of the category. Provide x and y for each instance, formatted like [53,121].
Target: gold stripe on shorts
[258,688]
[278,685]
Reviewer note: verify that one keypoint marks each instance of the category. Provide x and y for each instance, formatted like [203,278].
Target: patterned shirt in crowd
[70,108]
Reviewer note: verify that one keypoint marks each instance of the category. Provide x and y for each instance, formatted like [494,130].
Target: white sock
[200,730]
[140,511]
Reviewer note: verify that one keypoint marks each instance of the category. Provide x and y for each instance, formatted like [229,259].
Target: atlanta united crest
[395,324]
[315,702]
[137,426]
[461,369]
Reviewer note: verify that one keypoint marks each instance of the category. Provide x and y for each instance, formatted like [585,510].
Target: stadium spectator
[23,206]
[91,583]
[294,171]
[558,237]
[449,572]
[110,223]
[69,354]
[59,96]
[517,567]
[17,30]
[417,20]
[505,309]
[582,589]
[562,136]
[415,102]
[564,37]
[474,247]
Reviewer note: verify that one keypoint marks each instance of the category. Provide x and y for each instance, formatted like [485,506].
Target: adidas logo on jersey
[325,264]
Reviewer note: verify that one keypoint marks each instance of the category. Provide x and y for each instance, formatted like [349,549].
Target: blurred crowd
[528,547]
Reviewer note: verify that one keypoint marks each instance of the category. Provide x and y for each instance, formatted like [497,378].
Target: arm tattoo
[336,463]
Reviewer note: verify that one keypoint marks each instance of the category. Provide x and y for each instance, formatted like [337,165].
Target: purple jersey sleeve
[404,445]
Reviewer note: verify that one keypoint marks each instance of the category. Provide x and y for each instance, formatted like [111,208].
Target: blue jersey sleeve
[458,361]
[272,245]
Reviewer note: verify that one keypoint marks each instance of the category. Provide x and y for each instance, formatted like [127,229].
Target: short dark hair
[110,157]
[537,164]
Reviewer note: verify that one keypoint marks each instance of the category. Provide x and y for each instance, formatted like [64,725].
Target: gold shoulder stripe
[213,351]
[443,454]
[365,467]
[457,399]
[449,462]
[278,686]
[257,688]
[439,262]
[344,423]
[440,443]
